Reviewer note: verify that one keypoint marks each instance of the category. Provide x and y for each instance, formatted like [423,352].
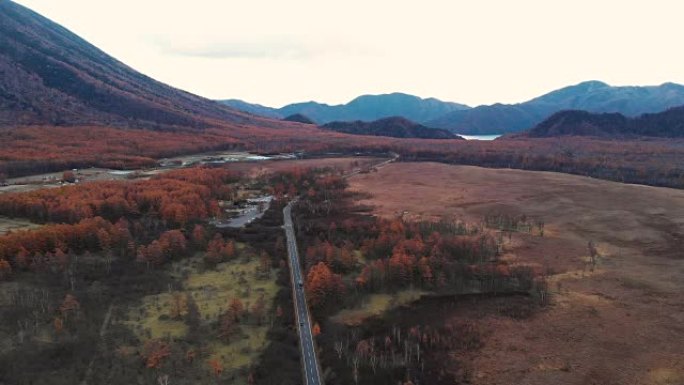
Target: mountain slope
[50,76]
[370,107]
[592,96]
[669,123]
[299,118]
[396,127]
[595,96]
[255,109]
[494,119]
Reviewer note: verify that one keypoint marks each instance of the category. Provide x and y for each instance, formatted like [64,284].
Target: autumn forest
[149,235]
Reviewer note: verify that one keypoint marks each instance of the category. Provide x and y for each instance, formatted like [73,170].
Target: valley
[153,235]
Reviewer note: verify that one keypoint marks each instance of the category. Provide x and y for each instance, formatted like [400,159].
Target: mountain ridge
[51,76]
[668,124]
[498,118]
[395,127]
[592,96]
[364,108]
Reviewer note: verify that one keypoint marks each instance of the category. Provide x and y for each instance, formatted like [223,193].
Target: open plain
[618,321]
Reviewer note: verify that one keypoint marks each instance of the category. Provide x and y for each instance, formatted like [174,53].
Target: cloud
[249,48]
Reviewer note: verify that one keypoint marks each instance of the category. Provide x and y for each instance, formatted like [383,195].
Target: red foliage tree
[216,367]
[227,326]
[68,176]
[154,353]
[236,309]
[215,251]
[322,286]
[258,310]
[199,236]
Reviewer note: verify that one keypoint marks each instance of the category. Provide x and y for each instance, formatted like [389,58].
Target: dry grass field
[622,323]
[346,164]
[14,224]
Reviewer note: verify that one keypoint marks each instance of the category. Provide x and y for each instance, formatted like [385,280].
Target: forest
[37,150]
[130,282]
[125,281]
[647,161]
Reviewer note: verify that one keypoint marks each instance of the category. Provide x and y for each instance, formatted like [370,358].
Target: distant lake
[479,137]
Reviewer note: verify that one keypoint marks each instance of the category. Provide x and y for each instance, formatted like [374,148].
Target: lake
[479,137]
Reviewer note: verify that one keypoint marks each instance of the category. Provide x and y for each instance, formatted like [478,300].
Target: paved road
[312,374]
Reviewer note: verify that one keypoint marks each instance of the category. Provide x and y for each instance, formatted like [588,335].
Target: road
[312,374]
[310,364]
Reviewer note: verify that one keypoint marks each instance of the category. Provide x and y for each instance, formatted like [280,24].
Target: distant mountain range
[395,127]
[50,76]
[669,123]
[365,108]
[592,96]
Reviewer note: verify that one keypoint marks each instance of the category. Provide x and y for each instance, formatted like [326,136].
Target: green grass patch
[376,304]
[212,290]
[15,224]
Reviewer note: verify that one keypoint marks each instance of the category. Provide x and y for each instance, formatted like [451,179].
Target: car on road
[300,283]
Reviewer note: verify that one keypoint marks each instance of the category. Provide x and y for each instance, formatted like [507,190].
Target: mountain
[669,123]
[396,127]
[482,120]
[50,76]
[254,109]
[366,107]
[299,118]
[592,96]
[595,96]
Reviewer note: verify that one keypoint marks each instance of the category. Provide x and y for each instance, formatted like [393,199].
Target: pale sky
[276,52]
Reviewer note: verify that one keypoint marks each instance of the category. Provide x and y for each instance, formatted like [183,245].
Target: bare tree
[339,348]
[593,254]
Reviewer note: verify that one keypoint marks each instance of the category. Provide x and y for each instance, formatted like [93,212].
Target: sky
[276,52]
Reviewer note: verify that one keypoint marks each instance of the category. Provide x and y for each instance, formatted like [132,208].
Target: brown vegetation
[42,149]
[350,255]
[613,318]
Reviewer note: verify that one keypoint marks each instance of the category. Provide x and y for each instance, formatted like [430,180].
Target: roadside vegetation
[364,273]
[128,283]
